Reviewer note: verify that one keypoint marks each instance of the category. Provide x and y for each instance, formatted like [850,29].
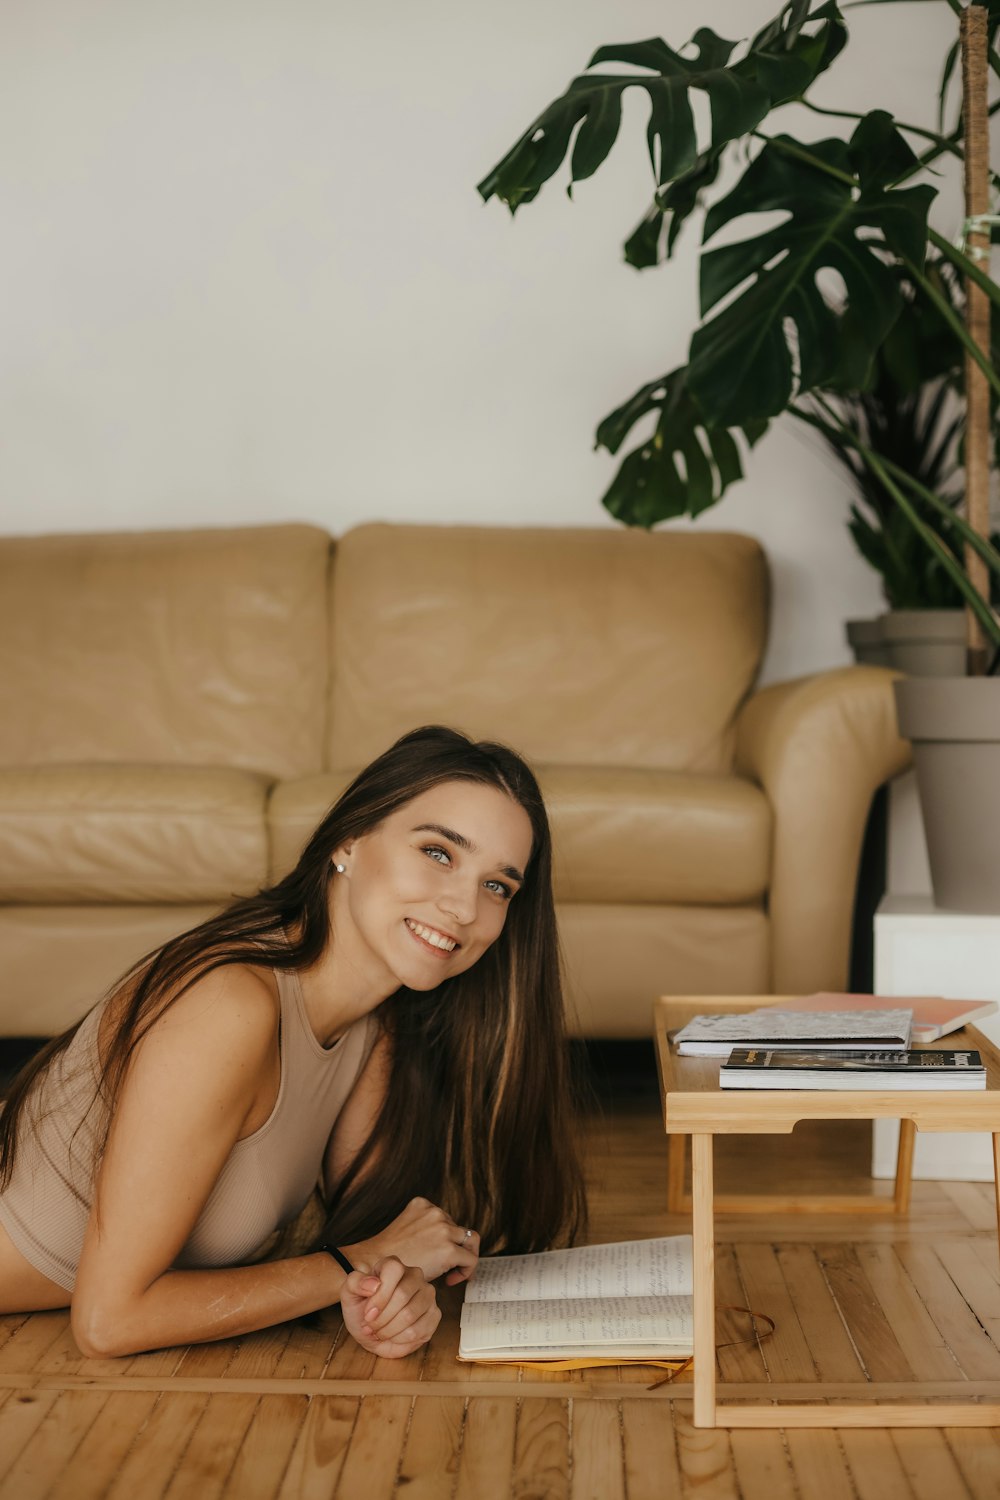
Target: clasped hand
[388,1303]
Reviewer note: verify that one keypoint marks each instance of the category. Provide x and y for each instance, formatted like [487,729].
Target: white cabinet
[921,950]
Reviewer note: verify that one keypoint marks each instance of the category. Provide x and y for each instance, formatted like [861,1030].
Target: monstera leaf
[783,60]
[783,334]
[650,485]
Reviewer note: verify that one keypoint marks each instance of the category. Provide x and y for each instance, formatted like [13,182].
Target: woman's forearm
[195,1307]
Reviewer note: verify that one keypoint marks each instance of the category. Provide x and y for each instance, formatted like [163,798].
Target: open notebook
[630,1300]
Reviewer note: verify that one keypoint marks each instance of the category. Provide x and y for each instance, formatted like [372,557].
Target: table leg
[904,1166]
[703,1250]
[676,1149]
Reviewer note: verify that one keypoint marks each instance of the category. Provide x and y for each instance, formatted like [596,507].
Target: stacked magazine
[824,1048]
[755,1068]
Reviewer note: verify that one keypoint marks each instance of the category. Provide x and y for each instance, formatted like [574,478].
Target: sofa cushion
[71,834]
[598,647]
[637,836]
[618,835]
[175,647]
[295,811]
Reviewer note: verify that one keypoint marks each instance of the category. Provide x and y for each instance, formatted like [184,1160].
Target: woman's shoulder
[236,1005]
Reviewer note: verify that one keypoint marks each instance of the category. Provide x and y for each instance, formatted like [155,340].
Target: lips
[432,939]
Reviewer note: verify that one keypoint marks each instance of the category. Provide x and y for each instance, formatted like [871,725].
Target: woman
[390,1012]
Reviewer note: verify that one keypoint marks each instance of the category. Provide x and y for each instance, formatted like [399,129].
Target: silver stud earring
[340,869]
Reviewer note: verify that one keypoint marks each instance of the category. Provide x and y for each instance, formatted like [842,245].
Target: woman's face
[425,894]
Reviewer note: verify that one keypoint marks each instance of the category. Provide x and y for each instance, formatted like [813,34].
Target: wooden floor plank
[975,1202]
[786,1352]
[373,1458]
[763,1468]
[705,1459]
[264,1453]
[923,1345]
[831,1352]
[977,1457]
[819,1465]
[260,1353]
[213,1447]
[159,1447]
[651,1468]
[974,1350]
[52,1446]
[541,1450]
[978,1287]
[31,1339]
[90,1472]
[314,1467]
[875,1465]
[487,1459]
[21,1415]
[877,1345]
[598,1458]
[930,1467]
[739,1356]
[429,1467]
[307,1352]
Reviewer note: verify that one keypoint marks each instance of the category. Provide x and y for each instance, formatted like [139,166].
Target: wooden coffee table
[694,1105]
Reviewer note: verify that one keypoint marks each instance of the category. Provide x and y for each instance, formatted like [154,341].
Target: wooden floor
[300,1411]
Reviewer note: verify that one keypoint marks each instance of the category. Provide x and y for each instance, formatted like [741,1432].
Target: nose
[460,902]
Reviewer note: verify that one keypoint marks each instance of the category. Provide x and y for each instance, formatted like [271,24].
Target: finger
[360,1285]
[406,1320]
[419,1294]
[390,1273]
[412,1338]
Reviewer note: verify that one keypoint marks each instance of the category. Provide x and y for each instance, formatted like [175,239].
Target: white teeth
[432,937]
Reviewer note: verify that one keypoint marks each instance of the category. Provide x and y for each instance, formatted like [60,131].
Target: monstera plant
[778,335]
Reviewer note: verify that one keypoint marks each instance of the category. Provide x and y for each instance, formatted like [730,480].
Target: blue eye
[433,850]
[503,890]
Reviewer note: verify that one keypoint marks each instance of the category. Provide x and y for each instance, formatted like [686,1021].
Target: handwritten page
[631,1326]
[636,1268]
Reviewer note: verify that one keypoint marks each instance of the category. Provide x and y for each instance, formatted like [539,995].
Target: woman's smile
[442,944]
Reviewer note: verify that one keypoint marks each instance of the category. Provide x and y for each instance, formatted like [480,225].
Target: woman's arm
[190,1087]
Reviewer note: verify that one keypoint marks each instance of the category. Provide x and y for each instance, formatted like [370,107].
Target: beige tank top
[267,1177]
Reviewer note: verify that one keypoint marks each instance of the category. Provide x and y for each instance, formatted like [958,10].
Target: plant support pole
[977,433]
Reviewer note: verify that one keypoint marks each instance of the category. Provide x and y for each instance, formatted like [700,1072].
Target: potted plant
[911,412]
[773,339]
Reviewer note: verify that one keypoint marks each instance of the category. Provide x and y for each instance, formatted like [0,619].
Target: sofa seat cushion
[98,833]
[620,835]
[629,835]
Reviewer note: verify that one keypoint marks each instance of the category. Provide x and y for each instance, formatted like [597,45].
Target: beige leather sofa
[178,709]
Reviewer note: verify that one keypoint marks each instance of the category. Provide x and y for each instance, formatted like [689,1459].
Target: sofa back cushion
[196,647]
[579,647]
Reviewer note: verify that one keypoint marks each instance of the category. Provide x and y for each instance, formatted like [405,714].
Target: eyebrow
[461,842]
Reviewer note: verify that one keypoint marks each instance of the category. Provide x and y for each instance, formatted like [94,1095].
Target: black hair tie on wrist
[339,1257]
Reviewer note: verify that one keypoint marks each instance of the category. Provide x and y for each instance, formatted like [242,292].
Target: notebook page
[633,1268]
[579,1323]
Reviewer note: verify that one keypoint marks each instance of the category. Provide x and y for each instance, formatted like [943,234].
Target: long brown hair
[477,1113]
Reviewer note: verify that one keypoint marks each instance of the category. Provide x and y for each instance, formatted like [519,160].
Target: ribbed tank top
[266,1179]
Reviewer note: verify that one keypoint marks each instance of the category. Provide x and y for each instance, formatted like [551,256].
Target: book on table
[760,1068]
[627,1301]
[717,1035]
[933,1015]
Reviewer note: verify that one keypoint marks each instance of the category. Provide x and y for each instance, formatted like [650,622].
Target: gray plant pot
[921,642]
[925,642]
[866,642]
[954,725]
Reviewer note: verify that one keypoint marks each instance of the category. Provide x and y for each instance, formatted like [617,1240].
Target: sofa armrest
[819,747]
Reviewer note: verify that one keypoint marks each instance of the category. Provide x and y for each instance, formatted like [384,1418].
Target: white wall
[248,275]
